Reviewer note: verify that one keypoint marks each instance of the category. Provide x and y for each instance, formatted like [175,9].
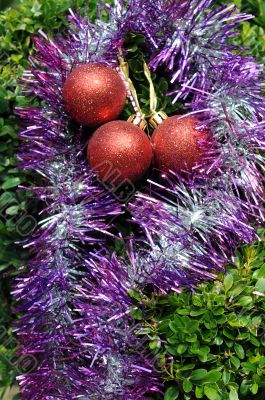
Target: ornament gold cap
[138,120]
[157,118]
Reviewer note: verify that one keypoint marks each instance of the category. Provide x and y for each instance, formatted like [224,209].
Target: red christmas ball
[94,94]
[175,144]
[119,152]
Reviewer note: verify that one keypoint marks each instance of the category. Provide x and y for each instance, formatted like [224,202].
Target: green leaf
[244,387]
[36,9]
[255,388]
[187,386]
[16,57]
[132,293]
[212,376]
[239,351]
[137,314]
[211,393]
[172,393]
[260,285]
[226,377]
[235,361]
[10,183]
[261,271]
[199,392]
[155,344]
[233,395]
[218,340]
[172,350]
[13,210]
[181,348]
[228,282]
[198,374]
[245,301]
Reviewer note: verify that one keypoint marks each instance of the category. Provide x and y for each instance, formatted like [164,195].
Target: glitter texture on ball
[176,144]
[94,94]
[119,152]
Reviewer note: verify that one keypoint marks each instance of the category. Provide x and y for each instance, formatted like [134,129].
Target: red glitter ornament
[94,94]
[119,152]
[176,144]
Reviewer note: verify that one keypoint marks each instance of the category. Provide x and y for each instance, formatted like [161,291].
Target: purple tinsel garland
[77,319]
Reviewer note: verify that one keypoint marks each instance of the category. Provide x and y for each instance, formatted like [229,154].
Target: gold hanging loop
[139,118]
[156,117]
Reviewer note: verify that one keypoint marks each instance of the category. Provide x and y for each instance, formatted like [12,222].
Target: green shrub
[7,345]
[253,32]
[210,344]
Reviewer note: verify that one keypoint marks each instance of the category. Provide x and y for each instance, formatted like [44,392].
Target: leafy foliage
[8,344]
[253,31]
[210,344]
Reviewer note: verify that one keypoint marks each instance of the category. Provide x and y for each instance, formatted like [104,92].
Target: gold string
[153,96]
[156,117]
[124,67]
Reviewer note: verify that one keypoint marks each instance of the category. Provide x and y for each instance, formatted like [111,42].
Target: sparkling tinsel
[200,36]
[74,296]
[77,214]
[192,230]
[108,335]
